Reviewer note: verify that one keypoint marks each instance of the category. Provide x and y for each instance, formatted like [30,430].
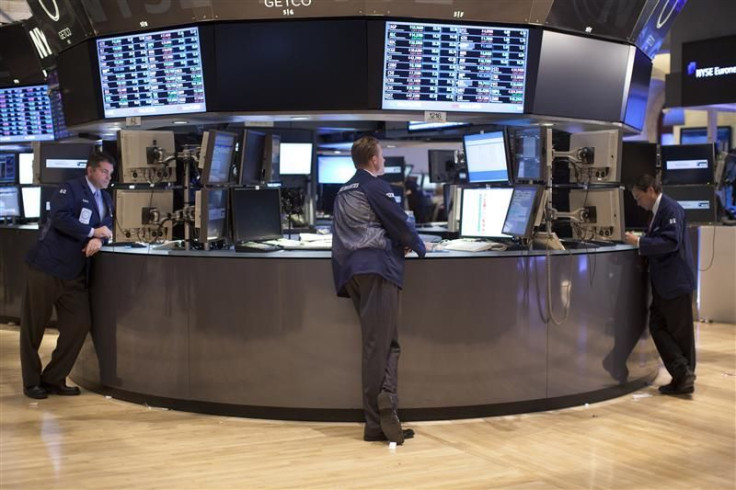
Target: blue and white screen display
[485,156]
[152,73]
[334,169]
[446,67]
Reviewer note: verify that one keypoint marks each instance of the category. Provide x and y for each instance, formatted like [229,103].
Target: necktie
[100,204]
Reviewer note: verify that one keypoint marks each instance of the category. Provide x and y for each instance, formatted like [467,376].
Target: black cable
[712,251]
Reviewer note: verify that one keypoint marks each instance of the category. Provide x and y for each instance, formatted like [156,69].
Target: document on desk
[314,237]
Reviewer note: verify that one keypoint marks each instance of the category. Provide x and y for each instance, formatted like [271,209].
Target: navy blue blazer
[73,214]
[666,245]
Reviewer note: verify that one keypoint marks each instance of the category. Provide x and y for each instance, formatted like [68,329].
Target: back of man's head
[363,150]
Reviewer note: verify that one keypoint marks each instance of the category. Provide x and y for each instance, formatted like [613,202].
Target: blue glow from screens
[8,168]
[485,156]
[152,73]
[334,169]
[521,211]
[25,114]
[222,158]
[447,67]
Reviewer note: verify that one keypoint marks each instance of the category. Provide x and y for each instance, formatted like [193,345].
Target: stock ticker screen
[25,114]
[447,67]
[152,73]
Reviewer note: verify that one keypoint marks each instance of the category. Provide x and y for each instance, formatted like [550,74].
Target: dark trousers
[71,299]
[377,302]
[671,325]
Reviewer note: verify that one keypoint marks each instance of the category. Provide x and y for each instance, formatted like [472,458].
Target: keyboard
[461,245]
[255,247]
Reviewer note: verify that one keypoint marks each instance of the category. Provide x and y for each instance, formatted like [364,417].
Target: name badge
[85,216]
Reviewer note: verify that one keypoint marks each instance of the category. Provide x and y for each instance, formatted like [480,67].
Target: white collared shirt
[654,210]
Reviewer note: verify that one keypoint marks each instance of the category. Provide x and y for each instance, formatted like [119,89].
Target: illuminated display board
[25,114]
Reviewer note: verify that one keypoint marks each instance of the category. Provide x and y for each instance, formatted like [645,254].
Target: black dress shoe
[407,433]
[390,424]
[35,392]
[683,386]
[62,389]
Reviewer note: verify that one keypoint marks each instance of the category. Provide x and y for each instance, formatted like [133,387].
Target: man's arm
[665,239]
[393,218]
[62,215]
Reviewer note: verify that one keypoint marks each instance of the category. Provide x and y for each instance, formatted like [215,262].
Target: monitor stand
[546,241]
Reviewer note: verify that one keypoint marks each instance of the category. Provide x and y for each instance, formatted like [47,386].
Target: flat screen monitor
[529,153]
[256,214]
[334,169]
[211,214]
[252,150]
[296,158]
[698,201]
[63,161]
[483,212]
[604,210]
[522,210]
[393,169]
[688,164]
[442,166]
[696,136]
[486,157]
[9,202]
[25,114]
[25,168]
[217,148]
[8,168]
[31,202]
[450,67]
[152,73]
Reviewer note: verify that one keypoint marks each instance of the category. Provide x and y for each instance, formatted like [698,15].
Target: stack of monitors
[449,67]
[483,212]
[25,114]
[152,73]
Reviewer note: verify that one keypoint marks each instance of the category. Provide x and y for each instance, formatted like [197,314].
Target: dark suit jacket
[58,251]
[671,263]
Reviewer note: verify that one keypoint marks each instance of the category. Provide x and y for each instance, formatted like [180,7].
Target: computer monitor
[699,135]
[698,201]
[523,210]
[296,158]
[252,149]
[688,164]
[9,202]
[170,63]
[272,158]
[393,169]
[132,212]
[604,214]
[602,164]
[256,214]
[529,150]
[25,168]
[334,169]
[210,214]
[8,168]
[25,114]
[483,211]
[486,157]
[217,153]
[63,161]
[442,166]
[31,202]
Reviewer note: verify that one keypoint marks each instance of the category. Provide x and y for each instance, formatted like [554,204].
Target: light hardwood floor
[642,440]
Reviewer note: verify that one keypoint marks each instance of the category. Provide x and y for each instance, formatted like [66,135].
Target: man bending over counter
[371,235]
[672,271]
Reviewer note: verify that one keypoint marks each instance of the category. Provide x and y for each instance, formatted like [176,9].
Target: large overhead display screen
[446,67]
[25,114]
[152,73]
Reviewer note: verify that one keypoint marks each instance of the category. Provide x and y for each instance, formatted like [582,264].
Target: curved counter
[263,335]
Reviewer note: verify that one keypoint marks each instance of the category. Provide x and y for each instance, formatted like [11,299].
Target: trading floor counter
[263,335]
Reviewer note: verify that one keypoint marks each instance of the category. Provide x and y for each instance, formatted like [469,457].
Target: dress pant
[71,299]
[671,325]
[377,302]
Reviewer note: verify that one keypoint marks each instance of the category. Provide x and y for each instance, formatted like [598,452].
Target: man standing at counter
[79,221]
[371,235]
[672,272]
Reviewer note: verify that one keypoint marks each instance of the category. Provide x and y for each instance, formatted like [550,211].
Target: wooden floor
[642,440]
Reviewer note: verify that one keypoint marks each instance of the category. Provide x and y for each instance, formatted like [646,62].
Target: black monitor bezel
[208,153]
[251,179]
[708,174]
[529,231]
[204,220]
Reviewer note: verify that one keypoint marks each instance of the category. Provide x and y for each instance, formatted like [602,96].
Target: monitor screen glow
[31,202]
[296,158]
[8,168]
[447,67]
[483,212]
[219,157]
[152,73]
[522,211]
[334,169]
[485,157]
[25,114]
[9,202]
[25,168]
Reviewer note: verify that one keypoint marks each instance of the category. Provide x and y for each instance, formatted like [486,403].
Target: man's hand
[102,232]
[93,246]
[631,239]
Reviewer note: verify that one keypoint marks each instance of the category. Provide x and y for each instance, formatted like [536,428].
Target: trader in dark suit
[672,270]
[79,222]
[371,234]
